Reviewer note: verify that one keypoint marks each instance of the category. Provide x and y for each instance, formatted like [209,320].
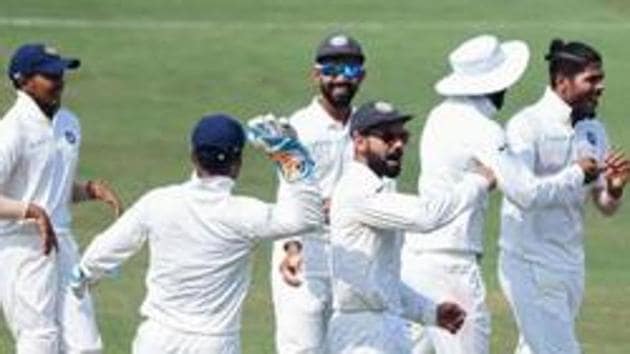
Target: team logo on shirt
[591,138]
[71,138]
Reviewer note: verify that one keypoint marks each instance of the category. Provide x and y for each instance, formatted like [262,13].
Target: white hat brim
[499,79]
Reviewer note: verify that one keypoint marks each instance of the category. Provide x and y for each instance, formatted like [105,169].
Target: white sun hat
[483,65]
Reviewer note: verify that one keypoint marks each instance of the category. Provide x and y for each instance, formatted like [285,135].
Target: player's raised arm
[296,212]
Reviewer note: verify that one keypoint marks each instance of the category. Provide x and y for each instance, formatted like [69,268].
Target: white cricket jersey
[329,144]
[367,222]
[458,131]
[200,237]
[551,233]
[38,161]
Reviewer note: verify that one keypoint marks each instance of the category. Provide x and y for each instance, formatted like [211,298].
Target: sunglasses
[389,137]
[348,70]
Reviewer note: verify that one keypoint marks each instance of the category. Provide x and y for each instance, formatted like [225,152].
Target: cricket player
[541,262]
[301,289]
[445,262]
[367,225]
[200,237]
[39,153]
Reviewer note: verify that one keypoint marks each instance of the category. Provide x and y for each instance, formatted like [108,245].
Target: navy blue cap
[219,137]
[339,45]
[375,113]
[37,58]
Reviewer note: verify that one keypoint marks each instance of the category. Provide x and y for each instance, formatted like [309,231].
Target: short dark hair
[569,58]
[216,161]
[18,82]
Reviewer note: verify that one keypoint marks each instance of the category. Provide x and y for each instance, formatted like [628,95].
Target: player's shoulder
[524,119]
[595,123]
[248,204]
[66,123]
[162,195]
[66,117]
[10,128]
[309,121]
[10,117]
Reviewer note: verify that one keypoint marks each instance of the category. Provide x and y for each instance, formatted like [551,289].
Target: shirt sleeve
[12,209]
[512,158]
[116,244]
[424,213]
[297,211]
[9,152]
[417,307]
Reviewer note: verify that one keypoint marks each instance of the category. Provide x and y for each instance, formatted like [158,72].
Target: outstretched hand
[101,190]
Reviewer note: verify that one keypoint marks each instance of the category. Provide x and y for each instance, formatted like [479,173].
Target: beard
[388,166]
[338,95]
[583,111]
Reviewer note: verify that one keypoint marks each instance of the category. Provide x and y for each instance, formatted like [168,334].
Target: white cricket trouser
[449,277]
[79,332]
[155,338]
[545,303]
[302,313]
[367,333]
[28,292]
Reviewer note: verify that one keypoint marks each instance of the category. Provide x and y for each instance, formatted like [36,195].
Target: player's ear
[195,160]
[235,168]
[314,74]
[359,141]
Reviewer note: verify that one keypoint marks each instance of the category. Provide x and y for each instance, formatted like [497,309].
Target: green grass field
[153,67]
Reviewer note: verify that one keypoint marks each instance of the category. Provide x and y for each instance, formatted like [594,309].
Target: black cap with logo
[375,113]
[339,45]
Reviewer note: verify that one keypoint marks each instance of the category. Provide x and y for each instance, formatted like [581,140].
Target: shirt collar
[365,177]
[28,105]
[326,119]
[555,107]
[483,104]
[216,184]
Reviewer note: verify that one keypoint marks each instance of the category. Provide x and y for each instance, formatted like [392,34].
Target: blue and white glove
[279,140]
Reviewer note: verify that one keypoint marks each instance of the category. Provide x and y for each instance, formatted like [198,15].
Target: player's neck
[338,114]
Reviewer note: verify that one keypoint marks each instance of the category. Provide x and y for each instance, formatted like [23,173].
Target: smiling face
[46,90]
[582,91]
[382,148]
[339,80]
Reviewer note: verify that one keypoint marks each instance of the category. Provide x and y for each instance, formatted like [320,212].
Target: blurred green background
[151,68]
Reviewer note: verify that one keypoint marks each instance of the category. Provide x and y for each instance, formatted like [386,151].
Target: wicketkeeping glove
[279,140]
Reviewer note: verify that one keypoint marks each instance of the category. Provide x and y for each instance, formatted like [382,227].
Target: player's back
[199,240]
[456,132]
